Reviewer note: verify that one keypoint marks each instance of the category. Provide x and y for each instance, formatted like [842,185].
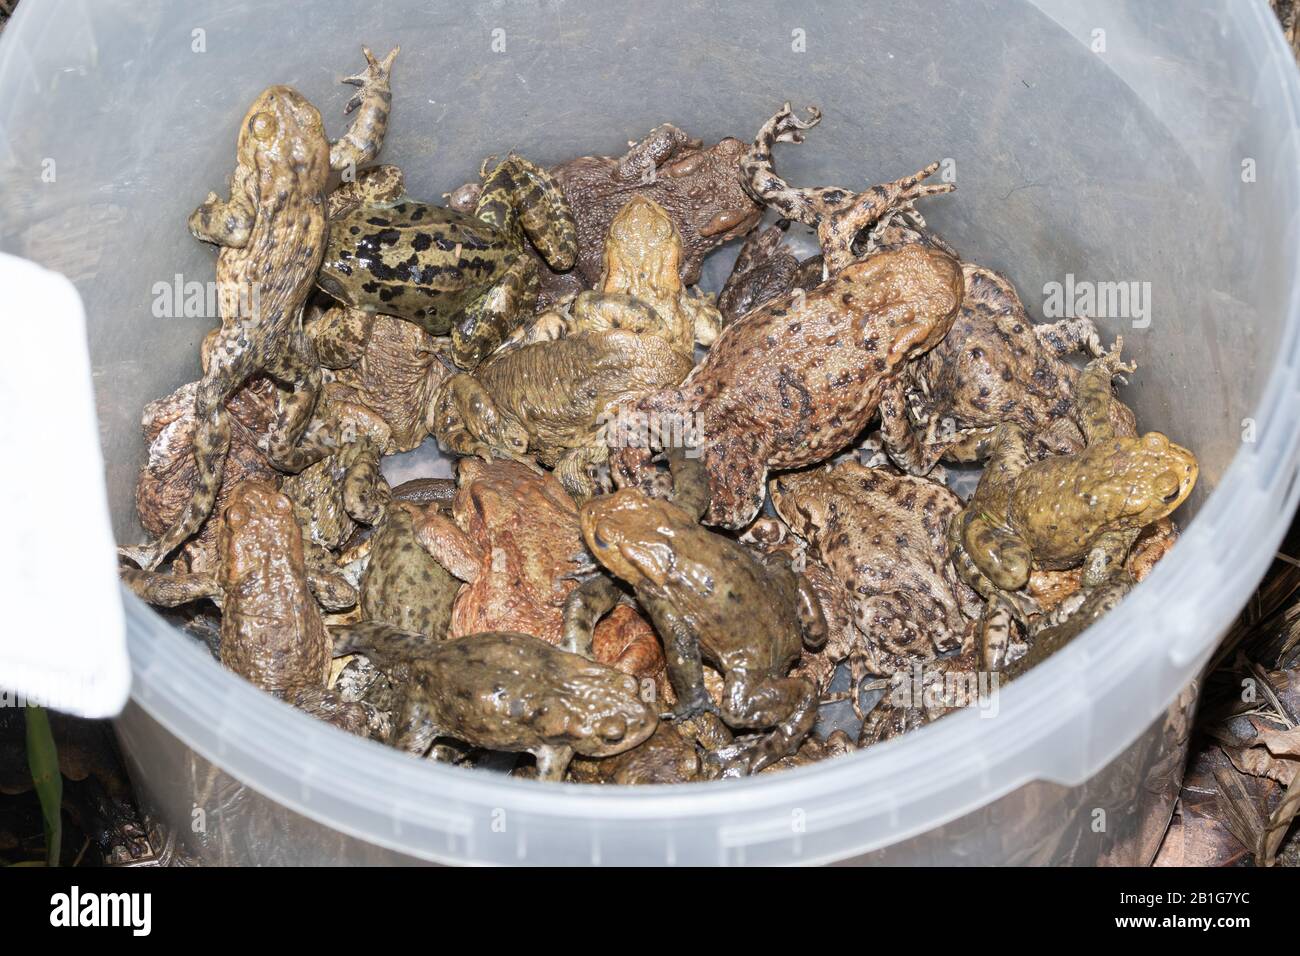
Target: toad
[795,381]
[995,365]
[271,629]
[554,400]
[507,692]
[388,365]
[1086,508]
[513,536]
[883,537]
[712,601]
[271,236]
[640,286]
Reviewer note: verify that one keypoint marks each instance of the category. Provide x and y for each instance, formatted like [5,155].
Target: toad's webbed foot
[372,102]
[840,226]
[759,177]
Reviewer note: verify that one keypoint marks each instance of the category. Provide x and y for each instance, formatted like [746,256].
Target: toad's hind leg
[758,174]
[295,441]
[521,188]
[170,590]
[837,230]
[371,103]
[232,359]
[329,706]
[485,323]
[737,479]
[786,704]
[586,604]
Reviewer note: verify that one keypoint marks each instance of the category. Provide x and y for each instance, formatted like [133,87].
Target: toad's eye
[262,126]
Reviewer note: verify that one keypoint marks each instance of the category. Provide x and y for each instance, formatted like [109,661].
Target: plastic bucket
[1125,142]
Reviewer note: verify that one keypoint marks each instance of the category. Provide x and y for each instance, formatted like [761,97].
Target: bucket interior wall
[1074,165]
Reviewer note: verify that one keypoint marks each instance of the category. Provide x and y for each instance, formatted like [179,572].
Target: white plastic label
[63,639]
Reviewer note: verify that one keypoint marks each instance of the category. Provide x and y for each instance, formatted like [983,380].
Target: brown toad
[390,366]
[711,601]
[666,756]
[795,381]
[764,269]
[513,536]
[508,692]
[553,400]
[271,630]
[883,537]
[271,235]
[995,365]
[699,188]
[640,286]
[169,475]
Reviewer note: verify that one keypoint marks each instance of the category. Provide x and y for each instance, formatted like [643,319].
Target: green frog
[712,601]
[1087,508]
[508,692]
[467,276]
[271,233]
[272,633]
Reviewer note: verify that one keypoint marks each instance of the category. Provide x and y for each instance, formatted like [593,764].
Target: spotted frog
[271,629]
[1086,508]
[449,272]
[271,233]
[711,600]
[507,692]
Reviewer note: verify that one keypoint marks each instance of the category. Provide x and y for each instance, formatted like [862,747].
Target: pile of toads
[650,566]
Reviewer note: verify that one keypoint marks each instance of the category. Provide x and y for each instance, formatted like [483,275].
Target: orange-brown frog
[513,537]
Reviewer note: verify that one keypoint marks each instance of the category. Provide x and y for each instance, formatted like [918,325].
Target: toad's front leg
[682,650]
[225,222]
[1107,556]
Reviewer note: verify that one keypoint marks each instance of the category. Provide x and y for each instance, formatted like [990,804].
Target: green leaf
[43,761]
